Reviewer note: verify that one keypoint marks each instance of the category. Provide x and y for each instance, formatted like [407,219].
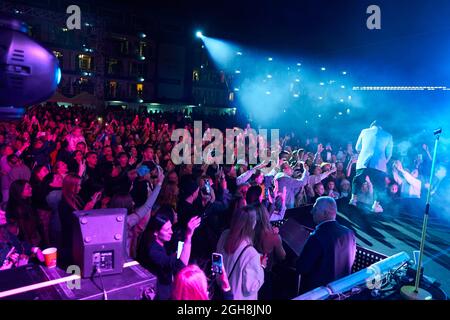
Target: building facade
[124,56]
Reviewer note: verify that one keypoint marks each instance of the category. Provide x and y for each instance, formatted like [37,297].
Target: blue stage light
[199,34]
[58,75]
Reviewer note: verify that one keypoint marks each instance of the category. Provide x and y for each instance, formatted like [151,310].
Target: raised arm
[389,148]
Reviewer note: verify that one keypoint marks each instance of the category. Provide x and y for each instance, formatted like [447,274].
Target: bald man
[329,252]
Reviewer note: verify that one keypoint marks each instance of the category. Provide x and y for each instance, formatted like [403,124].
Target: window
[196,76]
[140,89]
[112,66]
[142,47]
[84,62]
[124,47]
[137,69]
[113,88]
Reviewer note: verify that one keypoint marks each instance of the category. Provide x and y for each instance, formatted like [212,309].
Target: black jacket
[154,258]
[328,255]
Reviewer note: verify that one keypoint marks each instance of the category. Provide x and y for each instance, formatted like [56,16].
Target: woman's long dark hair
[20,211]
[155,224]
[18,207]
[122,200]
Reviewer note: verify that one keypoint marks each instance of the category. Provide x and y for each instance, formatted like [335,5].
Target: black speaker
[302,215]
[99,243]
[294,235]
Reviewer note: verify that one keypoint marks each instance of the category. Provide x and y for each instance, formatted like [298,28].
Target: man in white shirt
[374,146]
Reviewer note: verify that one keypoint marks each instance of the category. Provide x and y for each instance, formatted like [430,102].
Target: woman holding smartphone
[153,255]
[243,263]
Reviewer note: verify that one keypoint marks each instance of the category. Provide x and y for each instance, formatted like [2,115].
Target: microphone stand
[414,292]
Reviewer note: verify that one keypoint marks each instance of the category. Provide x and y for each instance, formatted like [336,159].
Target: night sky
[413,39]
[412,44]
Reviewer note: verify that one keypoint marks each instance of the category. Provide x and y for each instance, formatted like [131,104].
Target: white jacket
[375,148]
[248,275]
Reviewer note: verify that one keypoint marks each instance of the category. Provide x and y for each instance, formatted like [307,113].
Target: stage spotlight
[344,73]
[199,34]
[323,68]
[29,72]
[269,59]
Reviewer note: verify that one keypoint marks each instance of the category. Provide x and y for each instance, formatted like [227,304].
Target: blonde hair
[190,284]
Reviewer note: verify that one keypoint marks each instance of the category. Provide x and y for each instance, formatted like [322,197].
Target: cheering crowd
[56,161]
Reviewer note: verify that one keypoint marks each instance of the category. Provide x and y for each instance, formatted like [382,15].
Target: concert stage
[394,231]
[388,233]
[35,282]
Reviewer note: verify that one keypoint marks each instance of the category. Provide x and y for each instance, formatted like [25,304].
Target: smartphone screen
[180,248]
[217,263]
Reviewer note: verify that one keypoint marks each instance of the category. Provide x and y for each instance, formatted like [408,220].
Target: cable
[97,270]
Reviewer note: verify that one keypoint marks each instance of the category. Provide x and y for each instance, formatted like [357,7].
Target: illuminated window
[139,88]
[196,75]
[112,88]
[59,56]
[84,62]
[231,96]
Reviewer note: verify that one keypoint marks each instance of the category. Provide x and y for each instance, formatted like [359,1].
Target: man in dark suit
[329,252]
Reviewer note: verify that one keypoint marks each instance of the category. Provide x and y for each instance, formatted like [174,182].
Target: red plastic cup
[50,256]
